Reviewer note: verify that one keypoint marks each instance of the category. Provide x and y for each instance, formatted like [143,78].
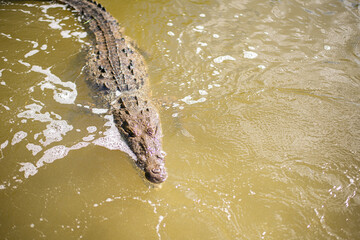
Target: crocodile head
[142,132]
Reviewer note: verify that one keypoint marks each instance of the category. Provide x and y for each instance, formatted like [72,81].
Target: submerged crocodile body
[119,75]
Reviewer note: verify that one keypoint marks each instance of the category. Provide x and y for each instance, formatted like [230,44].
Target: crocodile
[118,73]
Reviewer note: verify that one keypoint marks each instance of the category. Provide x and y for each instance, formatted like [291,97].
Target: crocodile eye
[150,131]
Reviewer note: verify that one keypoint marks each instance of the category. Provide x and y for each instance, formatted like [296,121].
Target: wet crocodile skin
[119,75]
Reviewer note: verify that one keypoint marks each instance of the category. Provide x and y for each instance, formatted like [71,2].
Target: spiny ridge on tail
[115,64]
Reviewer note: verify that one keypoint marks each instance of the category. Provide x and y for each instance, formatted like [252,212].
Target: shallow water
[260,107]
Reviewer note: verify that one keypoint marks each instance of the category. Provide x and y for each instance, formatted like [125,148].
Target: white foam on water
[6,35]
[52,154]
[33,112]
[24,63]
[203,92]
[215,72]
[199,28]
[35,149]
[31,53]
[198,50]
[69,34]
[54,131]
[58,152]
[45,8]
[161,218]
[91,129]
[88,138]
[6,107]
[18,137]
[60,95]
[188,100]
[65,34]
[28,168]
[220,59]
[4,144]
[57,25]
[64,96]
[54,24]
[79,145]
[79,34]
[202,44]
[47,86]
[99,110]
[35,44]
[112,139]
[250,54]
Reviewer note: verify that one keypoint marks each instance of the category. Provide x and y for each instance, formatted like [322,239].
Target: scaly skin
[119,75]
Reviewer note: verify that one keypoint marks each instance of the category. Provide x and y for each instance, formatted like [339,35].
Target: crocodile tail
[114,63]
[88,8]
[91,10]
[81,4]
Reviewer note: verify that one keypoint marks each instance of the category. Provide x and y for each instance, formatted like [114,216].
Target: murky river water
[260,108]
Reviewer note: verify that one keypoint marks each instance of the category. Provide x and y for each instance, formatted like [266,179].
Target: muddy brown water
[260,108]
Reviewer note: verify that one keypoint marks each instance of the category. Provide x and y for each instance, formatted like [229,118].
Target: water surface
[260,106]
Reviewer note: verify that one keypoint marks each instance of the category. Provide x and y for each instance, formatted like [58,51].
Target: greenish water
[260,110]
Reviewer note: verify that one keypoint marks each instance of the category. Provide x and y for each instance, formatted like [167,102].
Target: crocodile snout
[156,174]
